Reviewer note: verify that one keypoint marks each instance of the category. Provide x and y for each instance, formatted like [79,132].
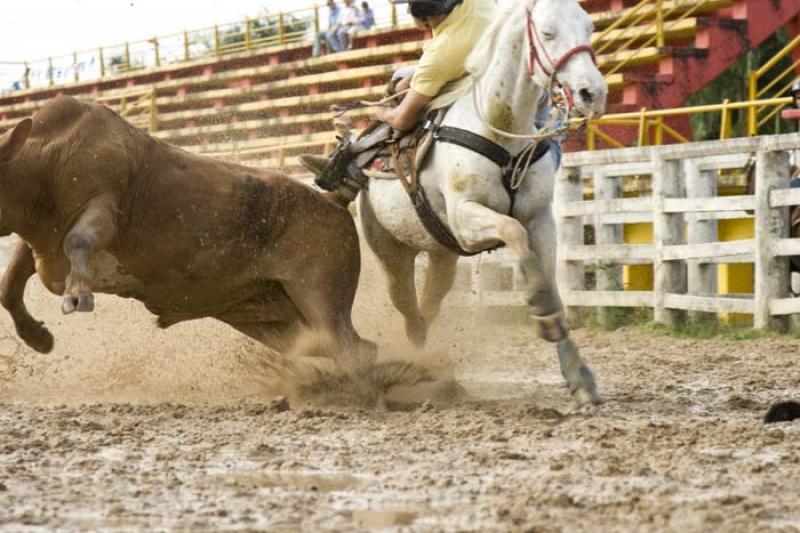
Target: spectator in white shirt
[349,20]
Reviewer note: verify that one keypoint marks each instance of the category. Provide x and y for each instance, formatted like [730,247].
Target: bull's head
[11,144]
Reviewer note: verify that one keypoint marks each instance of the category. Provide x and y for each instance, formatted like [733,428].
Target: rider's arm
[405,116]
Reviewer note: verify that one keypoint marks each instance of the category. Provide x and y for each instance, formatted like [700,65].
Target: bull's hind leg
[20,267]
[397,262]
[480,227]
[94,231]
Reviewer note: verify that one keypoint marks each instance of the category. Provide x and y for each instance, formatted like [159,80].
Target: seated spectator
[328,36]
[348,22]
[367,17]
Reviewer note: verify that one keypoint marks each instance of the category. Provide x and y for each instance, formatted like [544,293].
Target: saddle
[384,153]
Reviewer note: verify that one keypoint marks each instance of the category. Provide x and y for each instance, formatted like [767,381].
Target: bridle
[534,57]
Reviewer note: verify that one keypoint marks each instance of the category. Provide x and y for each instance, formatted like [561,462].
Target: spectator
[330,35]
[343,125]
[348,22]
[367,16]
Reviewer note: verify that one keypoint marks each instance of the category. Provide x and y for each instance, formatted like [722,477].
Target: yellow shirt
[443,57]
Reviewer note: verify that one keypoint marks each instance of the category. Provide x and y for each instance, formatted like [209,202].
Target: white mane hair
[480,58]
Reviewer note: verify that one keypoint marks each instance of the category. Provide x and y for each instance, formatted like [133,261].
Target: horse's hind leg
[480,227]
[439,277]
[397,261]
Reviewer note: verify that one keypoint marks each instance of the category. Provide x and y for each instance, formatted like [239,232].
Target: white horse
[531,45]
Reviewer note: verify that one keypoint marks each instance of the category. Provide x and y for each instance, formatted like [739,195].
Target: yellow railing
[757,116]
[652,130]
[655,17]
[138,107]
[213,41]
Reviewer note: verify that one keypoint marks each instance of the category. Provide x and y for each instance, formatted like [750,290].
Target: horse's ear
[13,143]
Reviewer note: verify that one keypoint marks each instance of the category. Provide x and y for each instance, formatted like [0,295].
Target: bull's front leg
[94,231]
[22,266]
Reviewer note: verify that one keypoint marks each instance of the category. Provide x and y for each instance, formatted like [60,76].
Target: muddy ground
[125,427]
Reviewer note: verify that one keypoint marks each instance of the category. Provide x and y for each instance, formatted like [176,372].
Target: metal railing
[655,18]
[254,33]
[652,129]
[780,84]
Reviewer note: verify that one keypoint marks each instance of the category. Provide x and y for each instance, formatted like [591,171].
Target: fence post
[569,274]
[394,14]
[217,50]
[186,46]
[281,28]
[50,71]
[771,272]
[248,36]
[701,277]
[609,273]
[102,63]
[75,66]
[127,57]
[668,276]
[660,23]
[27,76]
[157,51]
[316,20]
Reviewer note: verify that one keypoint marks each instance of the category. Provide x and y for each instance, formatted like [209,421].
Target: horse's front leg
[541,230]
[479,227]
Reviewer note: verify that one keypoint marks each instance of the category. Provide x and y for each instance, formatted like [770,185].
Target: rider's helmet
[423,9]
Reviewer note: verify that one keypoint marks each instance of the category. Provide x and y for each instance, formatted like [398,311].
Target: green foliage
[732,85]
[262,29]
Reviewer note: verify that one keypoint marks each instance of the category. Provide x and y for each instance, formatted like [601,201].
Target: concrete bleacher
[271,104]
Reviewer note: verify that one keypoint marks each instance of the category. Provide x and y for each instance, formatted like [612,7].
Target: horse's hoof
[417,333]
[86,303]
[585,389]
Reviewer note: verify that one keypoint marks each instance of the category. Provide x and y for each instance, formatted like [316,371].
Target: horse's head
[559,41]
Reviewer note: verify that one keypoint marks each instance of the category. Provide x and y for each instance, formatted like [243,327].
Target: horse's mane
[478,60]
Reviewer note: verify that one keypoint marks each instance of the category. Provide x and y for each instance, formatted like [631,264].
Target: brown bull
[103,207]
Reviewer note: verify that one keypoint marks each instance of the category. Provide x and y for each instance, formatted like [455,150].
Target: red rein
[557,65]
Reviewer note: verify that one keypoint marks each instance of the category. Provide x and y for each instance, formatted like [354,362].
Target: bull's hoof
[37,337]
[83,304]
[86,303]
[550,328]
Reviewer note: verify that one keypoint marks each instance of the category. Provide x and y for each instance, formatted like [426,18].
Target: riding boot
[338,173]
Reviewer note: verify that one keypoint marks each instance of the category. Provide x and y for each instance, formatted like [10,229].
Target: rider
[457,26]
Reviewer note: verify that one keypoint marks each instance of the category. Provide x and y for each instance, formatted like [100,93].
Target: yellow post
[281,28]
[724,125]
[153,111]
[642,126]
[316,19]
[75,66]
[27,76]
[155,49]
[127,56]
[186,46]
[659,23]
[394,14]
[590,140]
[752,116]
[248,37]
[217,49]
[102,62]
[50,70]
[659,131]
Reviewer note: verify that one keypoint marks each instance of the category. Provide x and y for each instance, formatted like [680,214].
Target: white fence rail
[684,209]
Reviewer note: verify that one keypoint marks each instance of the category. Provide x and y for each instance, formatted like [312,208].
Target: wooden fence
[683,208]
